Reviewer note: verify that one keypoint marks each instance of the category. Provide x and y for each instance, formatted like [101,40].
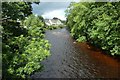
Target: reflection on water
[70,59]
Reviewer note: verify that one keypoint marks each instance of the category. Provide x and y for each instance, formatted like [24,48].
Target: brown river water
[70,59]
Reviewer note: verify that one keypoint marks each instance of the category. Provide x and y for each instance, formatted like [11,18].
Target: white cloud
[55,13]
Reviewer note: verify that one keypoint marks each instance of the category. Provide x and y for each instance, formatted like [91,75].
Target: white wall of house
[53,22]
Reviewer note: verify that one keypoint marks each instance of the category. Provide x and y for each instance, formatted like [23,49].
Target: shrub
[97,23]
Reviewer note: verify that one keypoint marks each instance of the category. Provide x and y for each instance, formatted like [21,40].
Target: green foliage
[52,27]
[96,23]
[25,60]
[35,26]
[16,10]
[24,46]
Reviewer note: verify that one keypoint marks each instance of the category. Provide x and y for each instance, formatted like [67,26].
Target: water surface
[70,59]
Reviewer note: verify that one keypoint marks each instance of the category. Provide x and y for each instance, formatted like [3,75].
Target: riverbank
[92,49]
[98,54]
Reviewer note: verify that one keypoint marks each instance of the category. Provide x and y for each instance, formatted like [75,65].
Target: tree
[96,23]
[22,36]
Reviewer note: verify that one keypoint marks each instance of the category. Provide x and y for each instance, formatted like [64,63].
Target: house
[54,21]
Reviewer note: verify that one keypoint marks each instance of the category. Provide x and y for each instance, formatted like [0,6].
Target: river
[70,59]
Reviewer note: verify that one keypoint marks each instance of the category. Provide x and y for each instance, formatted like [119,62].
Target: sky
[54,8]
[48,10]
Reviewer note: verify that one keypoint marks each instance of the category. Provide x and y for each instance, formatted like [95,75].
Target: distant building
[54,21]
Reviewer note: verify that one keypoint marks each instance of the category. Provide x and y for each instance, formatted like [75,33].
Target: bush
[96,23]
[52,27]
[23,54]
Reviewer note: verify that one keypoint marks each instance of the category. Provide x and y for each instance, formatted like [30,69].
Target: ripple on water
[70,59]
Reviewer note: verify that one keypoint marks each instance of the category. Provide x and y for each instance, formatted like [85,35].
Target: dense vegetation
[52,27]
[23,46]
[97,23]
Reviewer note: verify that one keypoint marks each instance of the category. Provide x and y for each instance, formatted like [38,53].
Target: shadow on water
[70,59]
